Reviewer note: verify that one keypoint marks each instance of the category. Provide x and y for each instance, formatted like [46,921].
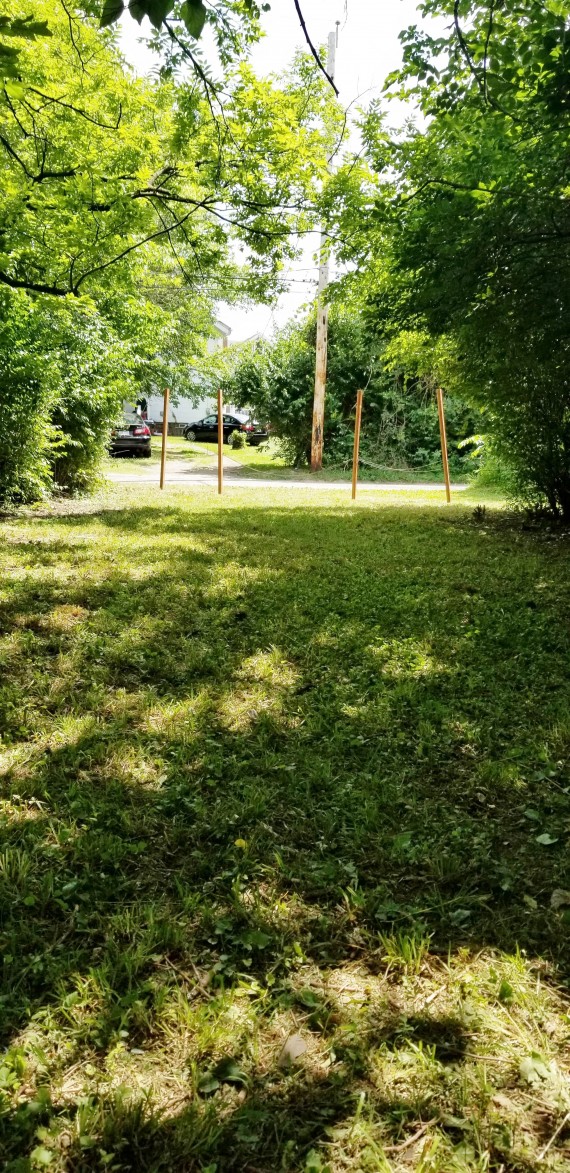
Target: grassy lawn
[284,873]
[177,448]
[263,459]
[266,461]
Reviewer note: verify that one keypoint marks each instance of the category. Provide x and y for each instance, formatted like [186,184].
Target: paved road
[178,472]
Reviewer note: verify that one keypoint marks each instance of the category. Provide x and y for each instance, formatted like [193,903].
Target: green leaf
[256,939]
[41,1156]
[533,1069]
[112,10]
[506,992]
[402,841]
[156,10]
[208,1084]
[193,14]
[227,1071]
[8,61]
[546,839]
[313,1162]
[24,27]
[15,89]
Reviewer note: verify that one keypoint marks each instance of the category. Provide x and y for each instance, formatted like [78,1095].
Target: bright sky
[368,50]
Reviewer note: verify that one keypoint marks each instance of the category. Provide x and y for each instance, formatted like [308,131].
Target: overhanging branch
[312,47]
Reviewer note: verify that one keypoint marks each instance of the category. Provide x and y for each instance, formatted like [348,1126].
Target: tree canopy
[98,163]
[460,226]
[132,205]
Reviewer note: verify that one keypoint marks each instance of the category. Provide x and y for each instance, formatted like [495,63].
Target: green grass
[262,458]
[177,449]
[278,771]
[266,461]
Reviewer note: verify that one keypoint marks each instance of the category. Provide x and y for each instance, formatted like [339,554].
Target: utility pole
[322,317]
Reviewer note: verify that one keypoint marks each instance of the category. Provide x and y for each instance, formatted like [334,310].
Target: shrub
[238,439]
[399,424]
[63,377]
[26,397]
[93,384]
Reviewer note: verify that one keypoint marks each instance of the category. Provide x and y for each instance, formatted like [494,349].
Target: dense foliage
[96,163]
[64,373]
[455,229]
[400,423]
[461,227]
[126,203]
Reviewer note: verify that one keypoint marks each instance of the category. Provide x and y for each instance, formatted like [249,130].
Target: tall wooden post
[220,442]
[356,443]
[322,320]
[443,437]
[164,435]
[320,385]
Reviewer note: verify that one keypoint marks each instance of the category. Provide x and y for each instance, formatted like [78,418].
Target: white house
[186,411]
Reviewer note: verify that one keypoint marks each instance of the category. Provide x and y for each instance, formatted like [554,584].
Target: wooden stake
[356,443]
[220,442]
[164,435]
[443,438]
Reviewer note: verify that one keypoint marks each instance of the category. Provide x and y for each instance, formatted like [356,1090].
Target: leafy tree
[98,163]
[400,427]
[129,199]
[468,224]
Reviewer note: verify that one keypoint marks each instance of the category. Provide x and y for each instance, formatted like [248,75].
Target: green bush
[238,439]
[400,426]
[92,386]
[63,377]
[26,399]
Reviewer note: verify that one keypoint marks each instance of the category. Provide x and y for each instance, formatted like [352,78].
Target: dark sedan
[207,429]
[132,436]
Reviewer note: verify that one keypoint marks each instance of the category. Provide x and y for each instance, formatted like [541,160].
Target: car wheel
[147,452]
[190,435]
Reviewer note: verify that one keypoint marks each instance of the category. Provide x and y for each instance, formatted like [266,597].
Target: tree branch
[131,248]
[32,286]
[312,47]
[82,113]
[15,156]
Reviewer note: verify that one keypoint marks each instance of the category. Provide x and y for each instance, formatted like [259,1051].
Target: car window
[210,419]
[231,419]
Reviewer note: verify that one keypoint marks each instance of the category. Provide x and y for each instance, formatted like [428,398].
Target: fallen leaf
[559,898]
[292,1050]
[502,1101]
[546,839]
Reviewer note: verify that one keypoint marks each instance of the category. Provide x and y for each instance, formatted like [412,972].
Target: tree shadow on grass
[237,739]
